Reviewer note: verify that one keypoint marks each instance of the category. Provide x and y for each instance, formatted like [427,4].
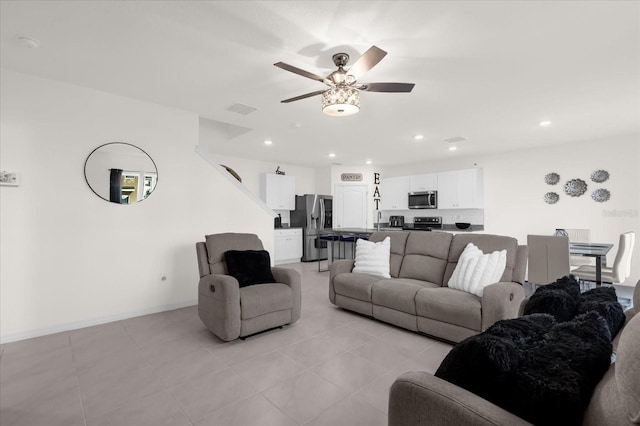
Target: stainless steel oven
[423,200]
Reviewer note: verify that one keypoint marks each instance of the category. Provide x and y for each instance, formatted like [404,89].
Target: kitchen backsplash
[472,216]
[286,216]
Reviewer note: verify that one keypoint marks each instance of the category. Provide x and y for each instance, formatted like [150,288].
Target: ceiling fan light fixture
[340,101]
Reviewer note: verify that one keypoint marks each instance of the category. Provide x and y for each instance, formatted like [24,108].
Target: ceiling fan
[343,95]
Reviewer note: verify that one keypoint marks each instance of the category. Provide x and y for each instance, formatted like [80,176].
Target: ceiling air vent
[455,139]
[241,109]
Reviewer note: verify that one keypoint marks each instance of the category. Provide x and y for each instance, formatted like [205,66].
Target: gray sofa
[419,398]
[416,296]
[230,311]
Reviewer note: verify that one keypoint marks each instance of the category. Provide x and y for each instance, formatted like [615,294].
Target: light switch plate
[9,178]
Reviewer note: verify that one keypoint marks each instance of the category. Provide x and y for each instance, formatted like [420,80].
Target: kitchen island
[341,239]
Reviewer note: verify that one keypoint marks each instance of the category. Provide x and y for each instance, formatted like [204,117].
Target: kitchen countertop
[454,228]
[369,231]
[343,231]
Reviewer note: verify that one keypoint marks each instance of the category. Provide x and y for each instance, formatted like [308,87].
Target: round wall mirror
[120,173]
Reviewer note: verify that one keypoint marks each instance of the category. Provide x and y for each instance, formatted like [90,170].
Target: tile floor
[332,367]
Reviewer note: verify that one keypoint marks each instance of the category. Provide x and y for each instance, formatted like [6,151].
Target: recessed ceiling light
[268,142]
[369,161]
[27,41]
[332,155]
[545,123]
[453,148]
[418,137]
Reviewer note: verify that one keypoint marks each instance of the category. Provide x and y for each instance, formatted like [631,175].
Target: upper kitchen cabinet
[428,182]
[278,191]
[460,189]
[394,193]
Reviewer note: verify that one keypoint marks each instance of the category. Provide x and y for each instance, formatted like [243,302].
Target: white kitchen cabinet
[426,182]
[460,189]
[287,246]
[394,193]
[278,191]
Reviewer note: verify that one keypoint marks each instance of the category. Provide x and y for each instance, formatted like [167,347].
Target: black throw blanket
[544,366]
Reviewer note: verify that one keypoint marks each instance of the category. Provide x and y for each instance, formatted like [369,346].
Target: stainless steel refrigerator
[313,212]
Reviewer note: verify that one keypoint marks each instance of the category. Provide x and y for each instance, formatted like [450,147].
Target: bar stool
[330,239]
[349,239]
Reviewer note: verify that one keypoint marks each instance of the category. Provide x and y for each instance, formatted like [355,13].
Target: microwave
[423,200]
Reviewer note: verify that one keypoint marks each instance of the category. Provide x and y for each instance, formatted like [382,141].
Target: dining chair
[548,258]
[579,236]
[621,268]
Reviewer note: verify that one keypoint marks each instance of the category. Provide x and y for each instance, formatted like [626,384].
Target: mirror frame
[119,143]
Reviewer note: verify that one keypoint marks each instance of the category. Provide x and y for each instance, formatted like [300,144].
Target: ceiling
[487,71]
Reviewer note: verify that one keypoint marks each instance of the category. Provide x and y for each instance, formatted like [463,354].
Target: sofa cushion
[256,300]
[398,243]
[449,305]
[372,258]
[541,371]
[356,286]
[487,243]
[476,270]
[426,256]
[217,244]
[398,293]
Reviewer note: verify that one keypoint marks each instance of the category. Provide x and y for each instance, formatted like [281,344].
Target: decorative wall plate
[600,176]
[551,198]
[601,195]
[575,187]
[552,178]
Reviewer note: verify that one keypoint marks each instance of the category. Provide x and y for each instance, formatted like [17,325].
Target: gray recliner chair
[230,311]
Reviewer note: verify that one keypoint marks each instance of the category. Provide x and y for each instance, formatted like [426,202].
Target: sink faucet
[379,217]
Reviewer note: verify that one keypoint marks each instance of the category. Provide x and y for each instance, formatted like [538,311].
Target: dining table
[596,250]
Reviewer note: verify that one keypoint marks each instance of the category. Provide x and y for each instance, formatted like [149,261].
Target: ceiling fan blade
[306,95]
[368,60]
[386,87]
[299,71]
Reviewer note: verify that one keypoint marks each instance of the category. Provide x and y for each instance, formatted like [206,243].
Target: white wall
[250,171]
[70,259]
[514,186]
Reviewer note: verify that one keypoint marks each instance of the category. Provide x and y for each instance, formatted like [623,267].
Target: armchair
[230,311]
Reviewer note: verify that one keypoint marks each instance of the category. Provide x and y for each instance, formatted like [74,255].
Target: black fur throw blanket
[543,367]
[563,300]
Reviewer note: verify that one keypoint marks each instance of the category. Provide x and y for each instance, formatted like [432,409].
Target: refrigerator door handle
[321,214]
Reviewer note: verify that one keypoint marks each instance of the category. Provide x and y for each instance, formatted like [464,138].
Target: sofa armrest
[501,301]
[219,305]
[418,398]
[338,267]
[292,278]
[523,304]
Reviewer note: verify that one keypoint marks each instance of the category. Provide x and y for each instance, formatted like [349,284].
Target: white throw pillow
[476,270]
[373,258]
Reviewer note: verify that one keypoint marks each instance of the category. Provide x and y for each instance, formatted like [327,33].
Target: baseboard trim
[14,337]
